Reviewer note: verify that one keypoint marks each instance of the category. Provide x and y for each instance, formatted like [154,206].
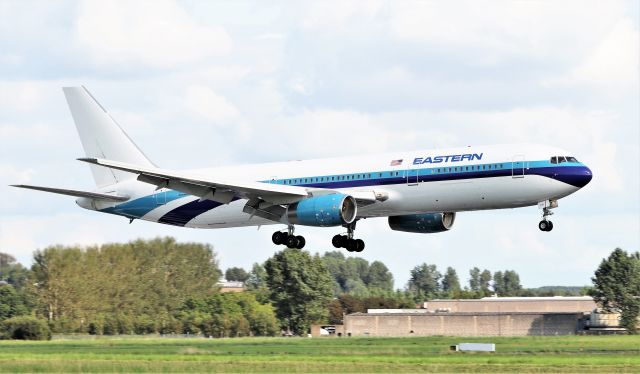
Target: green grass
[430,354]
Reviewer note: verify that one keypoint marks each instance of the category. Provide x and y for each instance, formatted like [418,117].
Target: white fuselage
[447,180]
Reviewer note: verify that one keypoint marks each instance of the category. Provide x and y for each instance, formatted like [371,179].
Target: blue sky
[200,84]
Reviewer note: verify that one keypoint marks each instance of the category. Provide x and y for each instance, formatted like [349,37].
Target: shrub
[25,328]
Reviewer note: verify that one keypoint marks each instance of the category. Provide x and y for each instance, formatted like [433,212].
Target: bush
[25,328]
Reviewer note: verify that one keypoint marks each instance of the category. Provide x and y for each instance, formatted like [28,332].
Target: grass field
[430,354]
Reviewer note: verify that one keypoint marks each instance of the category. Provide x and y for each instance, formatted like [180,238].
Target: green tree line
[162,286]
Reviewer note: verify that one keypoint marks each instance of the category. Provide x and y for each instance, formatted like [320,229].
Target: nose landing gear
[545,224]
[347,241]
[290,240]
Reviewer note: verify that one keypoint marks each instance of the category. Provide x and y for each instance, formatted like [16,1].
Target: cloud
[615,61]
[330,78]
[205,102]
[159,34]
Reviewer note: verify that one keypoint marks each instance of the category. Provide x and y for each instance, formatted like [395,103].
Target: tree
[351,304]
[236,274]
[617,286]
[450,282]
[379,277]
[301,287]
[498,283]
[12,272]
[25,328]
[256,283]
[474,279]
[424,282]
[335,312]
[511,282]
[120,286]
[485,282]
[257,277]
[11,304]
[6,260]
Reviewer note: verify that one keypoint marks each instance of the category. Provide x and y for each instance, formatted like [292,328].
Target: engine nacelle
[427,223]
[323,211]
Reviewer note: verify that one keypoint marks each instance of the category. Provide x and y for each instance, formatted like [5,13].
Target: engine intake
[427,223]
[323,211]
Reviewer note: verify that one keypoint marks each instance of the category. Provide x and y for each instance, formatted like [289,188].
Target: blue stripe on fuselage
[141,206]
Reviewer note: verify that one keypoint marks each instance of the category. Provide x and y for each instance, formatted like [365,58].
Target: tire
[351,246]
[337,241]
[292,241]
[550,226]
[543,225]
[359,245]
[278,238]
[301,242]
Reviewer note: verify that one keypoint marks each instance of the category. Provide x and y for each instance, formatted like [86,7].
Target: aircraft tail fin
[102,137]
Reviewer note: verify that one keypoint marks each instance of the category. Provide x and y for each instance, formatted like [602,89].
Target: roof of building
[494,299]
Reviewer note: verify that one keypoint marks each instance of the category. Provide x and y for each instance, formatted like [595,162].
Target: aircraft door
[517,166]
[412,174]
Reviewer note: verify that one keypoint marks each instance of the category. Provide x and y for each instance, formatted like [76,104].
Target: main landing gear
[287,238]
[347,241]
[545,224]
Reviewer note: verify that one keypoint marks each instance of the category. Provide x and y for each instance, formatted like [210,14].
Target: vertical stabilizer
[102,137]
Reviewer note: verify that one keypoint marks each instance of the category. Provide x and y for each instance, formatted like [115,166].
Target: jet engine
[323,211]
[426,223]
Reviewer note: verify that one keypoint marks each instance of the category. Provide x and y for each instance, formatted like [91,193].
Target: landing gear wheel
[292,241]
[338,241]
[352,245]
[545,225]
[359,245]
[301,242]
[279,238]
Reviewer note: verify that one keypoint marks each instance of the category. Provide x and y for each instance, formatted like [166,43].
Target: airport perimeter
[601,354]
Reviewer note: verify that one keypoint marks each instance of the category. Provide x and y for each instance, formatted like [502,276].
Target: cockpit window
[554,160]
[571,159]
[561,159]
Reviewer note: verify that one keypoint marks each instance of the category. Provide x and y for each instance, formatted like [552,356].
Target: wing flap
[216,189]
[76,193]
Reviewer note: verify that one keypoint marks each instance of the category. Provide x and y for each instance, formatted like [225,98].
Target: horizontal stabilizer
[90,195]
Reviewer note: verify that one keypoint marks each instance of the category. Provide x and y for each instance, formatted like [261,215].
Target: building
[226,286]
[491,316]
[463,324]
[513,304]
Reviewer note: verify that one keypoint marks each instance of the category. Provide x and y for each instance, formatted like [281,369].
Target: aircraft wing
[216,189]
[76,193]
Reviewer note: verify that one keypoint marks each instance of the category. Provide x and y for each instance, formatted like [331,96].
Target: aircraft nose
[583,176]
[577,176]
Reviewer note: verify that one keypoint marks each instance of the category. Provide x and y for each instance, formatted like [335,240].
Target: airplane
[418,191]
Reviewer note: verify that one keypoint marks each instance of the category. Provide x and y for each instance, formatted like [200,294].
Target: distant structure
[227,286]
[553,304]
[490,316]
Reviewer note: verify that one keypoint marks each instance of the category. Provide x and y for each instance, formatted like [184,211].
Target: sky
[203,83]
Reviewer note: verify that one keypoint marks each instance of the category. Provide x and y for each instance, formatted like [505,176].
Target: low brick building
[490,316]
[462,324]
